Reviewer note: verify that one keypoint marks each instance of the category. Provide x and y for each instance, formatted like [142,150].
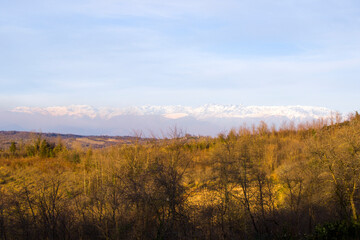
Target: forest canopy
[250,183]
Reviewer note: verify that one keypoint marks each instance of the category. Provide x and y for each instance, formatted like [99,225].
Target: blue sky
[136,52]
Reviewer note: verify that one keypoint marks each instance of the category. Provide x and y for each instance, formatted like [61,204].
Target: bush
[337,230]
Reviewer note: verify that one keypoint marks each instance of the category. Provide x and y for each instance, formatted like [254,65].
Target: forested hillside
[252,183]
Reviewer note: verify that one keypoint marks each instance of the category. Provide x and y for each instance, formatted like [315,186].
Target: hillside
[6,137]
[250,183]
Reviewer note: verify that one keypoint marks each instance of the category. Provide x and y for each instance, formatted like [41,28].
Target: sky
[116,53]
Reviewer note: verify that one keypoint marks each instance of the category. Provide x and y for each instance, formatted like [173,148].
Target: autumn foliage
[251,183]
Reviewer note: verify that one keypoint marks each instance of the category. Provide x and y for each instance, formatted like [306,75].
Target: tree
[13,148]
[339,153]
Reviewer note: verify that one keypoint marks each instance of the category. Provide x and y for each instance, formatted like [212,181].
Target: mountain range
[209,119]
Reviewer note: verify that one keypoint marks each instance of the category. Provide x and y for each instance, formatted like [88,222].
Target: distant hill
[70,140]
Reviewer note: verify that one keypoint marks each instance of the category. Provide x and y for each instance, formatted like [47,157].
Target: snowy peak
[209,119]
[72,110]
[207,111]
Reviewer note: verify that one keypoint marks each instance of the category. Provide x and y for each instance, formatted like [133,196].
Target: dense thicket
[252,183]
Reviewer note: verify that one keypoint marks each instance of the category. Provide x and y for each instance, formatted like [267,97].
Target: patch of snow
[175,115]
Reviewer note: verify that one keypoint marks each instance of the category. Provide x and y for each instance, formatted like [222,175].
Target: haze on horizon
[146,52]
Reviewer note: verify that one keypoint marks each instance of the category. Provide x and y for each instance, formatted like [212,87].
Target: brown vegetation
[252,183]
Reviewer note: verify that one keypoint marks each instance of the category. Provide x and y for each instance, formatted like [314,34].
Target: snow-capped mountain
[175,112]
[208,119]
